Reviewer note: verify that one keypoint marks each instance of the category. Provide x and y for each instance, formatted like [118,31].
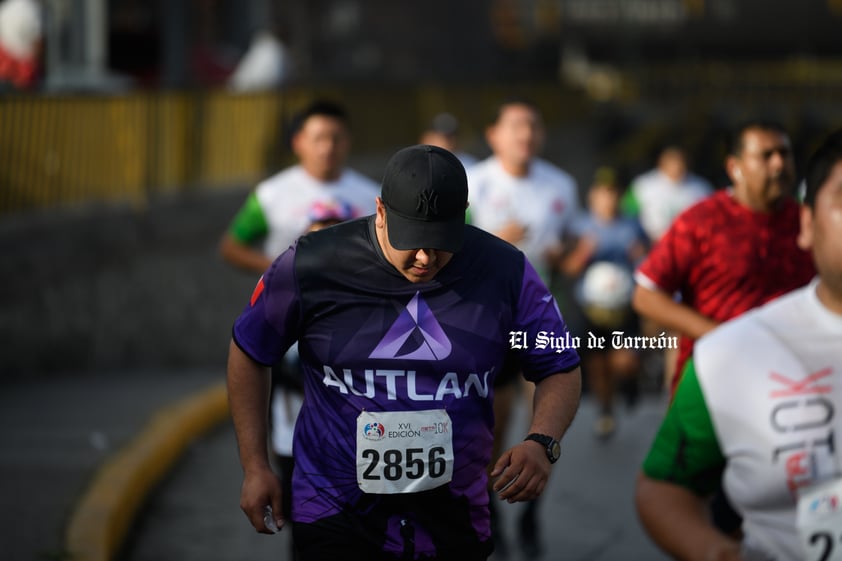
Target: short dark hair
[321,107]
[820,165]
[737,136]
[514,100]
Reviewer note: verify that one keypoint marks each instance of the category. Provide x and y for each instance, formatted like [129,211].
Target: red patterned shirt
[724,259]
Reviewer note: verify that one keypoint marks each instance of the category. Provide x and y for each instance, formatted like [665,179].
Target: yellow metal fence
[63,150]
[69,149]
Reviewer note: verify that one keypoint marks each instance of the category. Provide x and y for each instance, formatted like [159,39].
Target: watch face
[555,450]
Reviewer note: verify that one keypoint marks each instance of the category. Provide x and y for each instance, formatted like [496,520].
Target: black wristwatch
[551,445]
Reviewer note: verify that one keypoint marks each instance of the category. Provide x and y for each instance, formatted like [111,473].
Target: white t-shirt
[659,199]
[287,197]
[772,382]
[545,201]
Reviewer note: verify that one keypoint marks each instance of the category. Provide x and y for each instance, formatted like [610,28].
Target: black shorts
[359,534]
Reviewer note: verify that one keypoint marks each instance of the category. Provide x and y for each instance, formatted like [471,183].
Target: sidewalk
[79,453]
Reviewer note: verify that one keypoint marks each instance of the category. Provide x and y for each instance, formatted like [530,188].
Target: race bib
[820,521]
[404,451]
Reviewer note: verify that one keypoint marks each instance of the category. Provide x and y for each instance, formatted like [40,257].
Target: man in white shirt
[529,203]
[659,195]
[277,211]
[518,196]
[444,133]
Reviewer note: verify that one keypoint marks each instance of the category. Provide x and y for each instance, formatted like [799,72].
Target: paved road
[57,432]
[587,512]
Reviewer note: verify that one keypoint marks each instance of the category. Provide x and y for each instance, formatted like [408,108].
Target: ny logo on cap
[427,203]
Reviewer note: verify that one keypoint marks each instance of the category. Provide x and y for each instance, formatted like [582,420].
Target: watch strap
[538,437]
[551,445]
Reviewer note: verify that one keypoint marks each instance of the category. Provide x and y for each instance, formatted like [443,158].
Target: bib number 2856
[404,452]
[415,467]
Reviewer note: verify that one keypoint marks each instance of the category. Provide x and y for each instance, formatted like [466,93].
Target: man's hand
[522,472]
[262,489]
[512,232]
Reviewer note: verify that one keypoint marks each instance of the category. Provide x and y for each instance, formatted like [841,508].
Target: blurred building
[176,43]
[628,73]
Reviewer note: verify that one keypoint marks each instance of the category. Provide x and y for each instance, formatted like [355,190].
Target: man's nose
[426,256]
[777,160]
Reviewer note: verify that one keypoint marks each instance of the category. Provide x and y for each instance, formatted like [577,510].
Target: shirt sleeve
[270,322]
[629,204]
[685,450]
[667,266]
[250,223]
[538,316]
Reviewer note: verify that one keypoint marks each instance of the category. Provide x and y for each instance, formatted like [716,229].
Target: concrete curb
[103,516]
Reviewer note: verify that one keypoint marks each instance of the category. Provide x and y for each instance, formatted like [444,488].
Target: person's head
[517,135]
[604,194]
[760,164]
[821,214]
[328,212]
[420,221]
[672,162]
[321,139]
[442,132]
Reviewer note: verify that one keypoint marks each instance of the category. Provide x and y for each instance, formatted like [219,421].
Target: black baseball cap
[425,192]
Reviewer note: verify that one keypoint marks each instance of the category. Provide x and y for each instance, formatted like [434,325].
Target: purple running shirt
[371,342]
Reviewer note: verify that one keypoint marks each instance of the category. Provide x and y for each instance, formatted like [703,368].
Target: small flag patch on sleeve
[258,290]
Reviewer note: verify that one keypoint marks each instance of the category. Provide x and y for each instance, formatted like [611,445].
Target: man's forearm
[556,402]
[677,520]
[243,256]
[248,398]
[663,309]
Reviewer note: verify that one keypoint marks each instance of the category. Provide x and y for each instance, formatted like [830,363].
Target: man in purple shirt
[403,319]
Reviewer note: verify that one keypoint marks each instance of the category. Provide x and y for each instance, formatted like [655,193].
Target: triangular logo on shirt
[415,335]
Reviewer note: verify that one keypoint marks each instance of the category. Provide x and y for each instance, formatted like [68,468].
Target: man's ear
[732,168]
[490,136]
[294,142]
[380,218]
[805,235]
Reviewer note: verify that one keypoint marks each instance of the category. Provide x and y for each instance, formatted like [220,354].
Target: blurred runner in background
[531,204]
[607,249]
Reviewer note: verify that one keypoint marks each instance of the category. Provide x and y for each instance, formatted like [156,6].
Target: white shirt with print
[545,201]
[287,197]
